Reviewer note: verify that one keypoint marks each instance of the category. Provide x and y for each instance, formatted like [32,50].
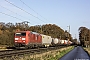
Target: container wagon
[46,40]
[55,41]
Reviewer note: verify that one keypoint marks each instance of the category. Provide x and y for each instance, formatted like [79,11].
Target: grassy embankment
[50,55]
[87,50]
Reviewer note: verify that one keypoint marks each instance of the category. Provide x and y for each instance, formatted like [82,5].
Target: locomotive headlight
[23,41]
[15,41]
[23,38]
[16,38]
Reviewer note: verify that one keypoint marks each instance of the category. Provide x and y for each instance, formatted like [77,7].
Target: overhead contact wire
[10,16]
[23,10]
[13,12]
[32,9]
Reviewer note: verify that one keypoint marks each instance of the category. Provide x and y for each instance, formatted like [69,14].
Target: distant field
[3,47]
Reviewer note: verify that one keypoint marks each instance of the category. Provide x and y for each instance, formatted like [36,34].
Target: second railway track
[10,53]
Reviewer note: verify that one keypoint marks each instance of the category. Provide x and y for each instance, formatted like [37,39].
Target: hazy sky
[63,13]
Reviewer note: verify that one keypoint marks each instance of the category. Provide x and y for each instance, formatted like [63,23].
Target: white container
[55,41]
[46,40]
[62,41]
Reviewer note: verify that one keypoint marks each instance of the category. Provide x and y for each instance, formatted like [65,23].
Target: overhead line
[32,9]
[23,10]
[10,16]
[10,10]
[28,6]
[13,12]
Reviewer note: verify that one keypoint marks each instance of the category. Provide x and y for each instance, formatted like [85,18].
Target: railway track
[10,53]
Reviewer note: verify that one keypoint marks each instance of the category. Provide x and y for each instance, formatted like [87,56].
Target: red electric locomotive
[27,39]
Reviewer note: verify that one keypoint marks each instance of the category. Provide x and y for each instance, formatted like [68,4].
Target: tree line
[84,36]
[7,31]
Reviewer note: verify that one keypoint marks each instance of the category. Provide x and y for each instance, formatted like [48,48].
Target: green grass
[87,49]
[60,54]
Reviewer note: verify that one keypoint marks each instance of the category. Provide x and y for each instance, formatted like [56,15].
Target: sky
[63,13]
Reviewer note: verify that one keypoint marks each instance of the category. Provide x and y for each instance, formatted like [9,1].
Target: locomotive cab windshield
[21,34]
[20,37]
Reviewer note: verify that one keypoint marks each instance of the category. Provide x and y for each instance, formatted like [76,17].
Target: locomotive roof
[35,33]
[22,31]
[45,35]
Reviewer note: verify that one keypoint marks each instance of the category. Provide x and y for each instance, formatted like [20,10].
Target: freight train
[29,39]
[59,42]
